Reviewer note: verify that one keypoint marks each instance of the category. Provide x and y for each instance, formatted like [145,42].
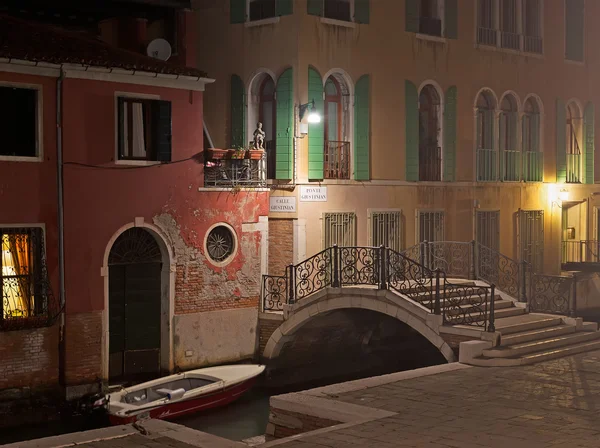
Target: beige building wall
[390,56]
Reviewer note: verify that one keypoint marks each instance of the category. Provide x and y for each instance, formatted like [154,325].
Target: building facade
[441,121]
[160,273]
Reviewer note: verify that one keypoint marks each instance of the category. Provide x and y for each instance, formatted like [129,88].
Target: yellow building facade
[441,120]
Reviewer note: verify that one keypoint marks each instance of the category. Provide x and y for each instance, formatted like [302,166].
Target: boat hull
[186,407]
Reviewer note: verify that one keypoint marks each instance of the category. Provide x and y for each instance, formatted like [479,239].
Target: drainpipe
[61,233]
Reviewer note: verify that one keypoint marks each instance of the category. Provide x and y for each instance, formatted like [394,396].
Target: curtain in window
[139,146]
[16,274]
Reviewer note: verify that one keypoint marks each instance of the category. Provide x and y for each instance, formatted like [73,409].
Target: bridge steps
[533,338]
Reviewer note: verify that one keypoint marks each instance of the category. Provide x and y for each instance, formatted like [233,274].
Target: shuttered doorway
[135,265]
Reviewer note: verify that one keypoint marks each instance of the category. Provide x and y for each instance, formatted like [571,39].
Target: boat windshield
[157,392]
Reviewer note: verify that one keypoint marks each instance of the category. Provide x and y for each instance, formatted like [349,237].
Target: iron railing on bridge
[383,268]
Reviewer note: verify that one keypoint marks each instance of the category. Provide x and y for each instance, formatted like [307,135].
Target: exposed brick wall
[298,423]
[29,358]
[266,327]
[281,245]
[83,339]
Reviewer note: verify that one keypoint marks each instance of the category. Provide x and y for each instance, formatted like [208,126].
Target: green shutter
[561,142]
[362,129]
[412,131]
[284,141]
[315,7]
[412,16]
[502,143]
[574,33]
[535,132]
[284,7]
[588,161]
[237,11]
[316,131]
[161,129]
[451,19]
[450,135]
[238,112]
[488,123]
[362,11]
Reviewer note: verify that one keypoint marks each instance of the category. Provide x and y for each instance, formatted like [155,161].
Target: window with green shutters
[487,154]
[254,10]
[450,122]
[533,157]
[238,112]
[575,140]
[574,29]
[316,131]
[362,129]
[344,10]
[432,17]
[589,119]
[510,154]
[284,125]
[411,129]
[561,141]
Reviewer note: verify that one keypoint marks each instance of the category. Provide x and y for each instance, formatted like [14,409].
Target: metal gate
[135,265]
[531,237]
[487,229]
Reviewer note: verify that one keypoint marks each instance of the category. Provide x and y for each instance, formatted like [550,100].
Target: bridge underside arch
[356,329]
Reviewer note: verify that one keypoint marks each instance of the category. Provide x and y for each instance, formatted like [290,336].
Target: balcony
[337,10]
[336,160]
[511,41]
[511,166]
[533,44]
[262,9]
[581,255]
[430,26]
[430,163]
[574,168]
[235,173]
[533,166]
[487,36]
[487,169]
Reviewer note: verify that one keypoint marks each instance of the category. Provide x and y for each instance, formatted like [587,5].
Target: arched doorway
[337,125]
[430,151]
[134,306]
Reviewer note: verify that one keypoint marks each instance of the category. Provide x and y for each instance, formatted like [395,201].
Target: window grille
[531,238]
[386,229]
[339,228]
[430,226]
[487,229]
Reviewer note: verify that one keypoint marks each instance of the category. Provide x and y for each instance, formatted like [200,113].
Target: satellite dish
[159,49]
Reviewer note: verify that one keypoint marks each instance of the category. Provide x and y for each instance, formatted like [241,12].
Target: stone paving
[552,404]
[555,403]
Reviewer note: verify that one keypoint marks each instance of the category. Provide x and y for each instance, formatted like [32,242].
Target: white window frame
[39,139]
[441,7]
[333,212]
[133,95]
[266,21]
[520,29]
[372,211]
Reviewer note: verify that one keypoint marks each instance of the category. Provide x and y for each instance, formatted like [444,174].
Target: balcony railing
[430,26]
[511,166]
[262,9]
[581,251]
[430,163]
[533,166]
[487,36]
[336,160]
[533,44]
[337,10]
[228,173]
[487,165]
[512,41]
[574,168]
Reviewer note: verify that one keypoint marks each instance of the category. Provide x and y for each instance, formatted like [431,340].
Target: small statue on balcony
[259,137]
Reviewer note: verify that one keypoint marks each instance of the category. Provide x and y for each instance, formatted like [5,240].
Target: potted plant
[237,153]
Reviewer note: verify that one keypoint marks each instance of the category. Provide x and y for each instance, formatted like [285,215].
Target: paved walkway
[552,404]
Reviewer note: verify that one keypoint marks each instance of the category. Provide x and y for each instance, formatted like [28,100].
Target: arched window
[510,156]
[267,109]
[487,169]
[337,146]
[574,138]
[533,161]
[430,151]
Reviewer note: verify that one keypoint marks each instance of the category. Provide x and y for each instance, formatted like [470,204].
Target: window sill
[21,159]
[572,62]
[485,47]
[137,162]
[430,38]
[262,22]
[246,189]
[335,22]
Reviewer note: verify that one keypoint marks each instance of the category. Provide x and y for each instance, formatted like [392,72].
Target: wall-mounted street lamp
[313,115]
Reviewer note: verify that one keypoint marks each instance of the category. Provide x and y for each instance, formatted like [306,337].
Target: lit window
[18,267]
